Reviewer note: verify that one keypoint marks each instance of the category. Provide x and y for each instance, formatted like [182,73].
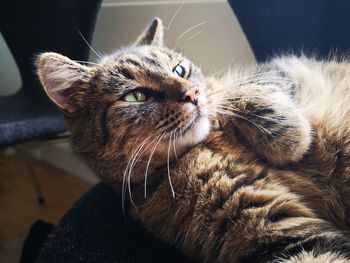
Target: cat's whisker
[124,186]
[259,77]
[231,91]
[168,167]
[190,29]
[191,37]
[232,98]
[174,143]
[277,78]
[228,95]
[87,43]
[247,82]
[174,16]
[87,62]
[252,114]
[134,161]
[196,34]
[124,174]
[149,162]
[268,73]
[272,80]
[249,113]
[259,127]
[222,101]
[255,115]
[125,177]
[228,108]
[144,150]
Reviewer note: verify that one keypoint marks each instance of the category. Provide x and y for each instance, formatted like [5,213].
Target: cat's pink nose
[191,95]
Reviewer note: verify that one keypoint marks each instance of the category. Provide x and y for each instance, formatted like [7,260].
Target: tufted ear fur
[153,34]
[62,79]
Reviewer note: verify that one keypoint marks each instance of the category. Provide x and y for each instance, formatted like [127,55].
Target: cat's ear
[62,79]
[153,34]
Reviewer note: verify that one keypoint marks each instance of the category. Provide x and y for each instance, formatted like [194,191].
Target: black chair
[29,28]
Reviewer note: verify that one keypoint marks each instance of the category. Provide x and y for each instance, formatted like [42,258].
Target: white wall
[219,41]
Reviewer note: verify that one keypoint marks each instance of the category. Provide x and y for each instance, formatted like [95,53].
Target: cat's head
[144,101]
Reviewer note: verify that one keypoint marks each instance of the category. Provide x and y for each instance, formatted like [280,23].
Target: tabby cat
[252,165]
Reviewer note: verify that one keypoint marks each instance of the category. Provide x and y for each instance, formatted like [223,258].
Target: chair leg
[37,187]
[29,161]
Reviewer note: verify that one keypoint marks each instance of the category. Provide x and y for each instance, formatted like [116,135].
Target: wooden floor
[18,201]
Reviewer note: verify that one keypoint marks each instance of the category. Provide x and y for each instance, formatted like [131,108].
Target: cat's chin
[197,132]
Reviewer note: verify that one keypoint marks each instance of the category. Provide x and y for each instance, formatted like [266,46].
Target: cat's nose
[190,95]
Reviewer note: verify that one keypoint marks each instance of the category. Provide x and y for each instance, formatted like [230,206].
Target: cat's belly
[215,194]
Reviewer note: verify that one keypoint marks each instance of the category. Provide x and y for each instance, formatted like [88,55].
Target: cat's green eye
[135,96]
[180,71]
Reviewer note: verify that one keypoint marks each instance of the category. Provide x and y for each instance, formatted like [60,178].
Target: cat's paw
[273,126]
[289,142]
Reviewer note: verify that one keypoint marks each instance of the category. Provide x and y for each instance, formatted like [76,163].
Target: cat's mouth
[196,130]
[191,124]
[183,126]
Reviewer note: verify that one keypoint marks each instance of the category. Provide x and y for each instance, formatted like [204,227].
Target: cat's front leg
[269,121]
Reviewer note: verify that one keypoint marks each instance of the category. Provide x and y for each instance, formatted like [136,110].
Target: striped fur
[256,171]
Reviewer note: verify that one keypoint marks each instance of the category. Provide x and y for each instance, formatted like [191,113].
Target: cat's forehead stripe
[127,73]
[141,63]
[151,61]
[133,62]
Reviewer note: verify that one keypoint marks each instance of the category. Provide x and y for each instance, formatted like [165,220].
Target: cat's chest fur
[222,179]
[210,177]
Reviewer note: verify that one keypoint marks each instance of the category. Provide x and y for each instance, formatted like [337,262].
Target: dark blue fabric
[315,27]
[26,116]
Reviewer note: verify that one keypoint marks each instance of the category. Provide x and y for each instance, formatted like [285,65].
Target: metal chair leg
[29,161]
[37,187]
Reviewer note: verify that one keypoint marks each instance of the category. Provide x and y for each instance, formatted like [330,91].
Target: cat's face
[158,92]
[144,98]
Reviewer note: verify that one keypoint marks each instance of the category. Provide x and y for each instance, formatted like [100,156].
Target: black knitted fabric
[95,230]
[35,240]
